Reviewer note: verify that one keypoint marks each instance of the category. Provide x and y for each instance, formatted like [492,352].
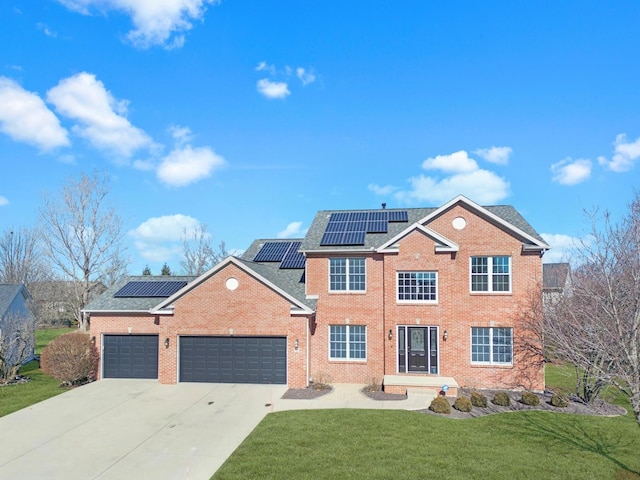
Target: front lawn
[389,444]
[40,387]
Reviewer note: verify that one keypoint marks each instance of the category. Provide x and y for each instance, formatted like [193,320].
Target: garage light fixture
[166,343]
[390,334]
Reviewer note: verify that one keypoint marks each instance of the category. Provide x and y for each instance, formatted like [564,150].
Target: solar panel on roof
[353,238]
[358,216]
[336,227]
[378,216]
[377,226]
[339,217]
[137,289]
[399,216]
[272,252]
[356,226]
[332,238]
[293,258]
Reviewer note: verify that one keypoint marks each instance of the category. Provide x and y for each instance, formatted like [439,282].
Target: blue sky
[249,116]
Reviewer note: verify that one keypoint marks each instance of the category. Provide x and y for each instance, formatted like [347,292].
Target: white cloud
[266,67]
[294,229]
[561,245]
[499,155]
[271,89]
[571,172]
[457,162]
[305,76]
[181,135]
[187,165]
[380,190]
[625,155]
[481,186]
[46,30]
[159,239]
[26,118]
[102,118]
[3,201]
[156,22]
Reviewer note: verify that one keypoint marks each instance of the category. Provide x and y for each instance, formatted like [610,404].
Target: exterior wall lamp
[445,335]
[296,344]
[390,334]
[166,343]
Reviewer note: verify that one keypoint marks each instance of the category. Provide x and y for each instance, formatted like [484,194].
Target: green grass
[371,444]
[44,336]
[41,386]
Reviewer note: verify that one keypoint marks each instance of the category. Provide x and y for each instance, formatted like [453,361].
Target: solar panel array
[284,252]
[351,228]
[149,289]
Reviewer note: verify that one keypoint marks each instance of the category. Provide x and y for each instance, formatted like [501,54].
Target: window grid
[491,274]
[492,345]
[417,286]
[347,274]
[353,349]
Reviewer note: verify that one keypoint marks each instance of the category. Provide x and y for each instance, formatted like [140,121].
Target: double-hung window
[347,342]
[347,275]
[417,286]
[492,346]
[491,274]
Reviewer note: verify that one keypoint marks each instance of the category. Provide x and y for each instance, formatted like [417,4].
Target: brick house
[411,298]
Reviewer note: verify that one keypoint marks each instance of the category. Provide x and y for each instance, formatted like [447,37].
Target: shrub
[440,405]
[559,400]
[71,359]
[463,404]
[321,381]
[530,398]
[478,400]
[502,399]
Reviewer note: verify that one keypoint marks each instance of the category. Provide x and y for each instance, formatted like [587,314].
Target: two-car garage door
[233,359]
[201,358]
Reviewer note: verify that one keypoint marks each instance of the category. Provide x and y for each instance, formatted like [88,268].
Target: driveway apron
[132,429]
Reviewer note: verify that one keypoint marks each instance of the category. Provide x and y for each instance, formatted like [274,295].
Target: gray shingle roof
[374,240]
[8,293]
[107,302]
[554,275]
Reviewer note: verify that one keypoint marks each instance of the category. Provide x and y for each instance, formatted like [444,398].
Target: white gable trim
[483,211]
[166,306]
[446,245]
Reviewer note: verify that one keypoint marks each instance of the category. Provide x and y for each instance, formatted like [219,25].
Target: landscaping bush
[559,400]
[530,398]
[440,405]
[463,404]
[478,399]
[72,359]
[502,399]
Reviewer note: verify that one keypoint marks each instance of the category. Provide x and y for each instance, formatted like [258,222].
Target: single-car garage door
[130,356]
[233,359]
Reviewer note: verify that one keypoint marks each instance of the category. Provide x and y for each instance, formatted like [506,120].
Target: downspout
[307,346]
[384,320]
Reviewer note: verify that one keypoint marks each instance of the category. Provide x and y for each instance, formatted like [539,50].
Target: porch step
[421,395]
[427,383]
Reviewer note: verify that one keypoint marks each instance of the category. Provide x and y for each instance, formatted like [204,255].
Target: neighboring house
[55,300]
[17,325]
[418,297]
[556,282]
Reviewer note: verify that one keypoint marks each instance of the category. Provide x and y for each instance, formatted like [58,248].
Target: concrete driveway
[132,429]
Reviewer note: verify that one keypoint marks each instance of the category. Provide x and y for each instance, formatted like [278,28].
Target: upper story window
[418,286]
[347,275]
[491,274]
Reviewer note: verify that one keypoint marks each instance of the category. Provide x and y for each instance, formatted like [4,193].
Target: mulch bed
[308,393]
[575,406]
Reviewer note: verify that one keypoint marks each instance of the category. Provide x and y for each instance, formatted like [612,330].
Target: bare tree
[17,334]
[199,253]
[20,257]
[597,327]
[82,236]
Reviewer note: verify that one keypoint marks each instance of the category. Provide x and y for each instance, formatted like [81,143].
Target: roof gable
[443,244]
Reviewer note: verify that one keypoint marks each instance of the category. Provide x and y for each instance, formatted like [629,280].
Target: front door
[418,349]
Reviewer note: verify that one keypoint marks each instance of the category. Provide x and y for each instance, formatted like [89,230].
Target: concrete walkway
[139,429]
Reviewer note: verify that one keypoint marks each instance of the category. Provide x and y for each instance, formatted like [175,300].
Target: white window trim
[433,302]
[490,362]
[490,276]
[348,358]
[347,289]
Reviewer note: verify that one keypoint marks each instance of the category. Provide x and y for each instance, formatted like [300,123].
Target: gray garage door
[233,359]
[130,356]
